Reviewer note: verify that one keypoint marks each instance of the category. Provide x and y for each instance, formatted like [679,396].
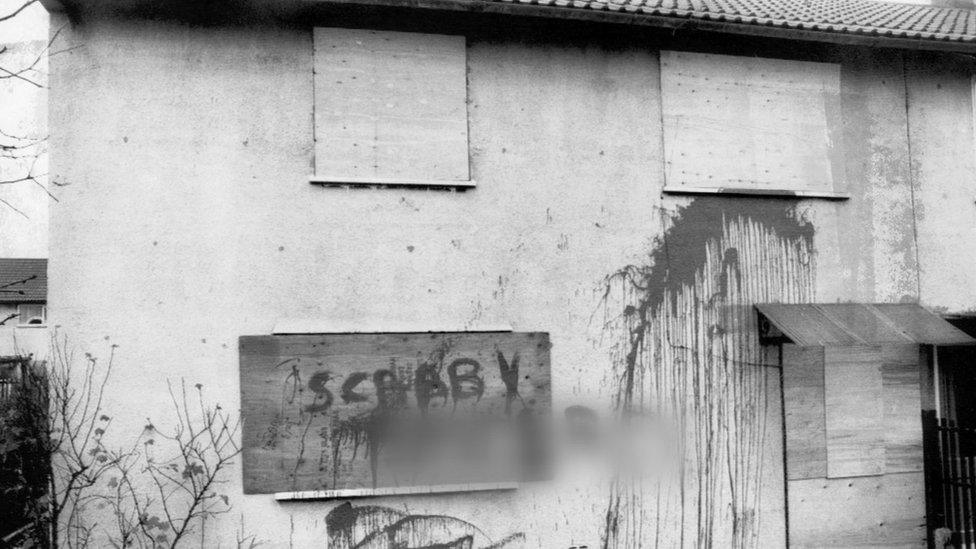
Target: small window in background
[390,107]
[746,125]
[31,315]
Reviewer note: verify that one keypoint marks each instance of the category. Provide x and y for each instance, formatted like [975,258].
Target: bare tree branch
[19,149]
[159,491]
[6,288]
[16,11]
[19,75]
[14,208]
[32,66]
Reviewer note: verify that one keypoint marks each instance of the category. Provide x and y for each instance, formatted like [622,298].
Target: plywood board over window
[390,107]
[751,125]
[803,395]
[902,408]
[854,411]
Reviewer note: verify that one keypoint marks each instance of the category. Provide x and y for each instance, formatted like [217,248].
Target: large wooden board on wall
[876,511]
[875,425]
[368,411]
[854,445]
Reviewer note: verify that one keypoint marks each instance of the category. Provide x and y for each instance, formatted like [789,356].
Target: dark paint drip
[688,351]
[365,430]
[509,542]
[680,254]
[510,377]
[368,430]
[467,542]
[428,386]
[344,521]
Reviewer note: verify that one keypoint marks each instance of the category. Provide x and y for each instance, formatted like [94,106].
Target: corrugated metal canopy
[861,324]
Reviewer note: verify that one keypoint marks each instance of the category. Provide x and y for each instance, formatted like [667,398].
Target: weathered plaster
[245,239]
[688,363]
[941,126]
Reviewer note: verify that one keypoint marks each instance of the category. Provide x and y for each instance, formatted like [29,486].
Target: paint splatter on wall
[689,372]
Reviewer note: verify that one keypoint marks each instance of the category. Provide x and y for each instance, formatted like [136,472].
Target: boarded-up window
[390,107]
[902,410]
[750,124]
[851,411]
[803,395]
[855,411]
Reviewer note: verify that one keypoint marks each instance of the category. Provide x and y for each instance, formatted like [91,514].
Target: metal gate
[951,481]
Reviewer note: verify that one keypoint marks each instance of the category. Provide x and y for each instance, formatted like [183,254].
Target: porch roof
[829,324]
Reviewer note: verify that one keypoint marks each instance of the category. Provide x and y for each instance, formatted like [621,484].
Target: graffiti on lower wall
[379,527]
[688,364]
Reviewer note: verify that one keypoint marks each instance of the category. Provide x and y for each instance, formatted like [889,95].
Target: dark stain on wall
[679,255]
[688,362]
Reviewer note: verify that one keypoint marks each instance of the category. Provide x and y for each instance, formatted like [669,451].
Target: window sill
[396,491]
[32,326]
[340,181]
[294,326]
[771,193]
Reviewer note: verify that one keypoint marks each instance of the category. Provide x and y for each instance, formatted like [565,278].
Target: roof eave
[869,38]
[671,22]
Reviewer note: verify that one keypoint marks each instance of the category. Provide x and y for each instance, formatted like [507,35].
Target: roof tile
[857,17]
[23,280]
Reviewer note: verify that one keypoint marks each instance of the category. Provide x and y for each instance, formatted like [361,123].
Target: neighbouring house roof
[23,280]
[861,324]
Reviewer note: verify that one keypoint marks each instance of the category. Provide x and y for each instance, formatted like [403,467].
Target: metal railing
[954,476]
